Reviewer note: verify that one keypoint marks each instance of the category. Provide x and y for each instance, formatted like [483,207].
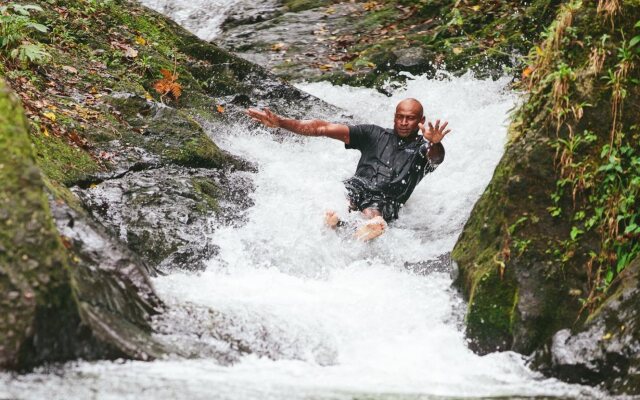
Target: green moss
[302,5]
[197,152]
[32,259]
[377,19]
[492,307]
[210,193]
[61,161]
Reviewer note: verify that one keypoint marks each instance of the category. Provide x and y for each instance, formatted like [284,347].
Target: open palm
[434,134]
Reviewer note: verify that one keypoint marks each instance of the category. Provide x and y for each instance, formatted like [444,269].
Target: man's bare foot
[371,230]
[331,219]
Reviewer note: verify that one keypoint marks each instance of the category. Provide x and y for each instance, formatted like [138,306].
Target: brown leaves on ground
[168,85]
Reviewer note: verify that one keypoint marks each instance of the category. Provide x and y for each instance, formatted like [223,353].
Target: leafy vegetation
[17,30]
[597,159]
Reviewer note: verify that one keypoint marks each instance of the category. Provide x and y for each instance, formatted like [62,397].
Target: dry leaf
[370,5]
[527,72]
[130,52]
[220,108]
[50,116]
[457,50]
[168,85]
[278,47]
[141,41]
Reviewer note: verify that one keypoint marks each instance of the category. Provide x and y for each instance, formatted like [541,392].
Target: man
[392,163]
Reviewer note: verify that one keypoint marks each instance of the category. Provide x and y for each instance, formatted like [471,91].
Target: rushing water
[202,17]
[326,317]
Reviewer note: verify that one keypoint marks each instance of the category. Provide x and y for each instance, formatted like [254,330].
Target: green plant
[636,39]
[16,28]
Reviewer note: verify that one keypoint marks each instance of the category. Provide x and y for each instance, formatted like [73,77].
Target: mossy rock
[62,297]
[167,132]
[33,277]
[531,232]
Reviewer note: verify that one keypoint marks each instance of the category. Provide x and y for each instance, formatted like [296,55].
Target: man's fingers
[445,132]
[437,124]
[430,126]
[444,126]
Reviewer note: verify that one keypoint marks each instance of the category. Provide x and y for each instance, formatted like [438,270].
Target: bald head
[411,105]
[409,115]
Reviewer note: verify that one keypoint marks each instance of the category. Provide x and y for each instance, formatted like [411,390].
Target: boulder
[605,350]
[62,297]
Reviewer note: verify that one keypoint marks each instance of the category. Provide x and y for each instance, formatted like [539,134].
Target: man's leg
[372,228]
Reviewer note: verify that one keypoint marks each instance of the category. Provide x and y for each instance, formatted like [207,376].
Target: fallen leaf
[220,108]
[457,50]
[371,6]
[476,8]
[45,132]
[50,116]
[130,52]
[278,47]
[141,41]
[69,69]
[527,72]
[326,67]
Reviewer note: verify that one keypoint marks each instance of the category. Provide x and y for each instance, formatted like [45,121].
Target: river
[324,316]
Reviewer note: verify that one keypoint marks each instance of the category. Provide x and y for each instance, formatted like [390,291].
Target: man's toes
[331,218]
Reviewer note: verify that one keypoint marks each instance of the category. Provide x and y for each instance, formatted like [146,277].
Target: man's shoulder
[370,128]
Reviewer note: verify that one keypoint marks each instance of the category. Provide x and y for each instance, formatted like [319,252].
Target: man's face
[408,116]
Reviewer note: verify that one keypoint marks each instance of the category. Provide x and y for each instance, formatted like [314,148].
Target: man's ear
[423,120]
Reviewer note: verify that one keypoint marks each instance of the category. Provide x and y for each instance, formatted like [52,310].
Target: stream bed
[289,309]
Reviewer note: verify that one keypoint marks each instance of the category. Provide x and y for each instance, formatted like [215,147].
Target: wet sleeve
[431,163]
[359,136]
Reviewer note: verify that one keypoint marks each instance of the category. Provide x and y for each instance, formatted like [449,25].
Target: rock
[413,59]
[276,31]
[250,12]
[58,304]
[167,133]
[161,213]
[440,264]
[605,350]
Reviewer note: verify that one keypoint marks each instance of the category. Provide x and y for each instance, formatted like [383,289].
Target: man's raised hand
[434,134]
[264,116]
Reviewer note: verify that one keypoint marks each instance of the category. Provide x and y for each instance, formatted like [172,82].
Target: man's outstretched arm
[311,127]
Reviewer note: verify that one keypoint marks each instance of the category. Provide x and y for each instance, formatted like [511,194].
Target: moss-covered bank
[366,43]
[557,224]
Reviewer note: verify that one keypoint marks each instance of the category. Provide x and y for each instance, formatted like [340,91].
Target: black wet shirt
[389,163]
